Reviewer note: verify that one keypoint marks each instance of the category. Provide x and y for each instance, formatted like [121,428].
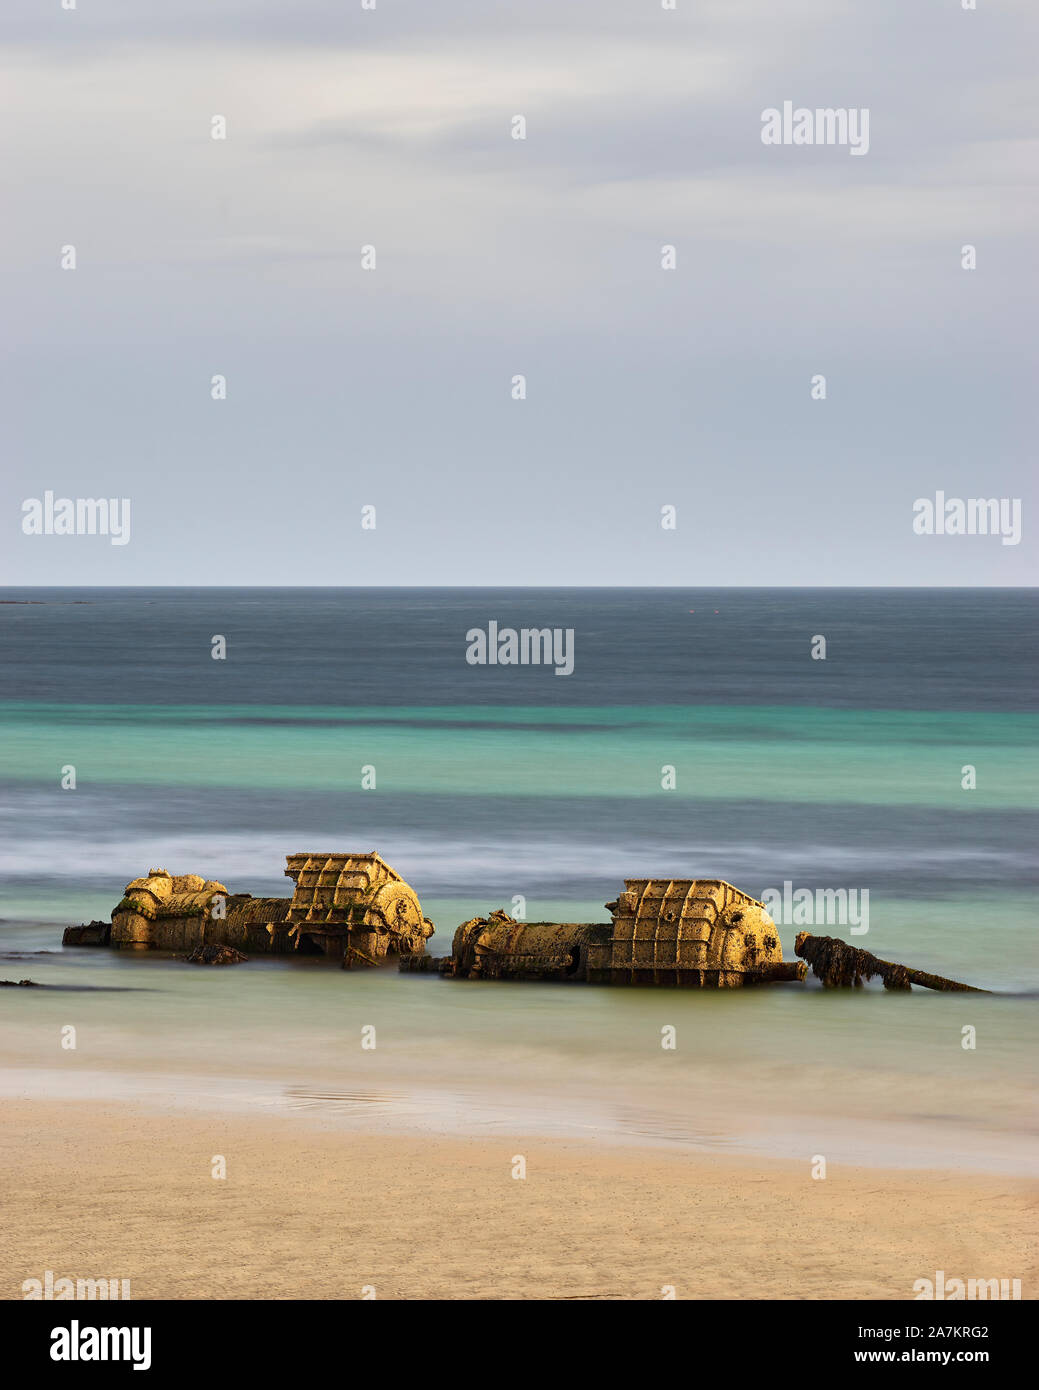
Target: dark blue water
[899,649]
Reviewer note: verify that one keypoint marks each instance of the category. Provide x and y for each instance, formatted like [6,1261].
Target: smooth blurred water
[496,782]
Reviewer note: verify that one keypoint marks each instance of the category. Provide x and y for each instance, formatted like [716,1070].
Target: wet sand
[120,1190]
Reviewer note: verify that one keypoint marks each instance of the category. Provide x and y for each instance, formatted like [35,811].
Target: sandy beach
[124,1191]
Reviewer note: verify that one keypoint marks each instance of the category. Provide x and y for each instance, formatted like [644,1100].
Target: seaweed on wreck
[840,966]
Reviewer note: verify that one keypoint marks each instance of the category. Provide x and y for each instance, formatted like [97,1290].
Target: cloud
[496,256]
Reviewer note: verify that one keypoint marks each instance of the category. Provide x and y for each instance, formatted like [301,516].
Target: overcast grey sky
[497,257]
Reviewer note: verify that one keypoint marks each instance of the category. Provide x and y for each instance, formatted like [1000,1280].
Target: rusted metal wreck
[694,933]
[351,907]
[698,933]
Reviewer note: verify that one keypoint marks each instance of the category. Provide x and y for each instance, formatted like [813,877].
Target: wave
[442,864]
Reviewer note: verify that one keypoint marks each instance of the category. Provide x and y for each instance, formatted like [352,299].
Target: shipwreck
[354,908]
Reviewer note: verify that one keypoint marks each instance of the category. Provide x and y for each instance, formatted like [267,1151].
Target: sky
[646,388]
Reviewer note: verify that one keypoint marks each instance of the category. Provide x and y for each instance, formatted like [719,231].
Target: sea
[880,741]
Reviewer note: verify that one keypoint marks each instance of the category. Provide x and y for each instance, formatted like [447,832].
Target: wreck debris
[839,965]
[784,971]
[215,955]
[13,984]
[700,933]
[695,933]
[500,948]
[356,907]
[426,965]
[163,910]
[352,907]
[88,934]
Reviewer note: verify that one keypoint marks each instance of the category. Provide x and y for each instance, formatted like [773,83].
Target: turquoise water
[773,754]
[492,791]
